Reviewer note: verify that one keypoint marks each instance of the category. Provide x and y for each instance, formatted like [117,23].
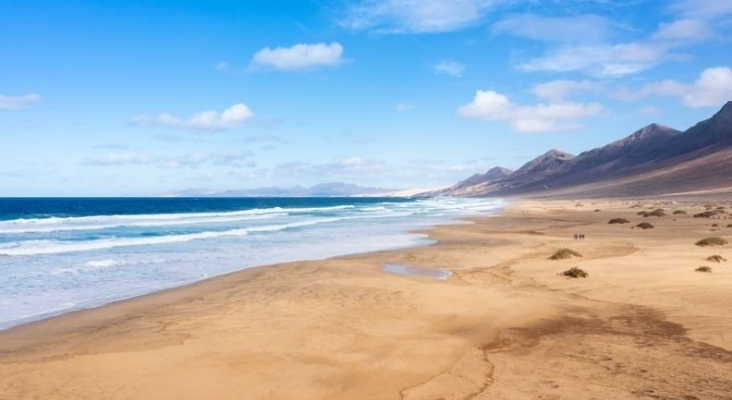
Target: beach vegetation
[677,212]
[618,221]
[597,210]
[575,272]
[705,214]
[716,258]
[729,226]
[711,241]
[564,253]
[645,225]
[715,225]
[655,213]
[704,269]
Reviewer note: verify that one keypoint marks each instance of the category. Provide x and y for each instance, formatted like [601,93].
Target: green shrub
[645,225]
[711,241]
[618,221]
[562,254]
[716,258]
[703,269]
[575,272]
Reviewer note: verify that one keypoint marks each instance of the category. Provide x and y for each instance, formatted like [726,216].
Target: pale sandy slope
[504,326]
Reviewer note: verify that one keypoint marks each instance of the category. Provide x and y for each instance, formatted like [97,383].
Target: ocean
[63,254]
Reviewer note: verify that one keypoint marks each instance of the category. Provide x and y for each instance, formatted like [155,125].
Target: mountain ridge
[653,160]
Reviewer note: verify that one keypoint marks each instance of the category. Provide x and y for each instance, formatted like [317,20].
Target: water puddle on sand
[422,272]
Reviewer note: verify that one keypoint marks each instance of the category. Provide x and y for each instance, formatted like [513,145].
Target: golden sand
[504,325]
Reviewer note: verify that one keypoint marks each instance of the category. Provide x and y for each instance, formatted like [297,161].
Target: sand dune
[504,325]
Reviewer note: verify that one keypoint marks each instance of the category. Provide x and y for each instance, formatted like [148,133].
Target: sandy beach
[504,325]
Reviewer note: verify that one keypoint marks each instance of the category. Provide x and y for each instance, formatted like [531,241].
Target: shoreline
[504,324]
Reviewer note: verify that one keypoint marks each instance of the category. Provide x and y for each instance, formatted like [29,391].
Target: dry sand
[505,325]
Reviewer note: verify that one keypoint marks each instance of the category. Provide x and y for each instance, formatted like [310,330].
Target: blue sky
[152,97]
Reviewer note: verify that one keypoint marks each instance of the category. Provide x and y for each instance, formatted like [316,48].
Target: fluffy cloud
[492,106]
[712,88]
[579,28]
[415,16]
[300,56]
[19,102]
[205,120]
[451,68]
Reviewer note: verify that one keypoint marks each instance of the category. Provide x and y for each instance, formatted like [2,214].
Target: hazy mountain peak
[556,154]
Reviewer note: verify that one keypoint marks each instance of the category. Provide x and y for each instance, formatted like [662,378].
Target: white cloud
[579,28]
[600,60]
[683,30]
[585,43]
[205,120]
[703,9]
[559,90]
[492,106]
[19,102]
[451,68]
[712,88]
[415,16]
[122,159]
[300,56]
[404,107]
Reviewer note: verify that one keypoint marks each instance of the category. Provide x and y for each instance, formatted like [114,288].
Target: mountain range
[655,160]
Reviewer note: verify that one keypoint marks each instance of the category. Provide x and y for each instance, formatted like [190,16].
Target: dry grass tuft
[618,221]
[704,269]
[563,254]
[679,212]
[705,214]
[711,241]
[656,213]
[645,225]
[575,272]
[716,258]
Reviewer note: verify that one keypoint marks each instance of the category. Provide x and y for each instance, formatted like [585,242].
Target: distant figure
[575,237]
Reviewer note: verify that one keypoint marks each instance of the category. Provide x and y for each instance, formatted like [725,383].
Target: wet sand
[504,325]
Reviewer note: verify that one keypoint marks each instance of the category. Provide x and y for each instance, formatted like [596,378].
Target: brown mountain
[654,160]
[473,185]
